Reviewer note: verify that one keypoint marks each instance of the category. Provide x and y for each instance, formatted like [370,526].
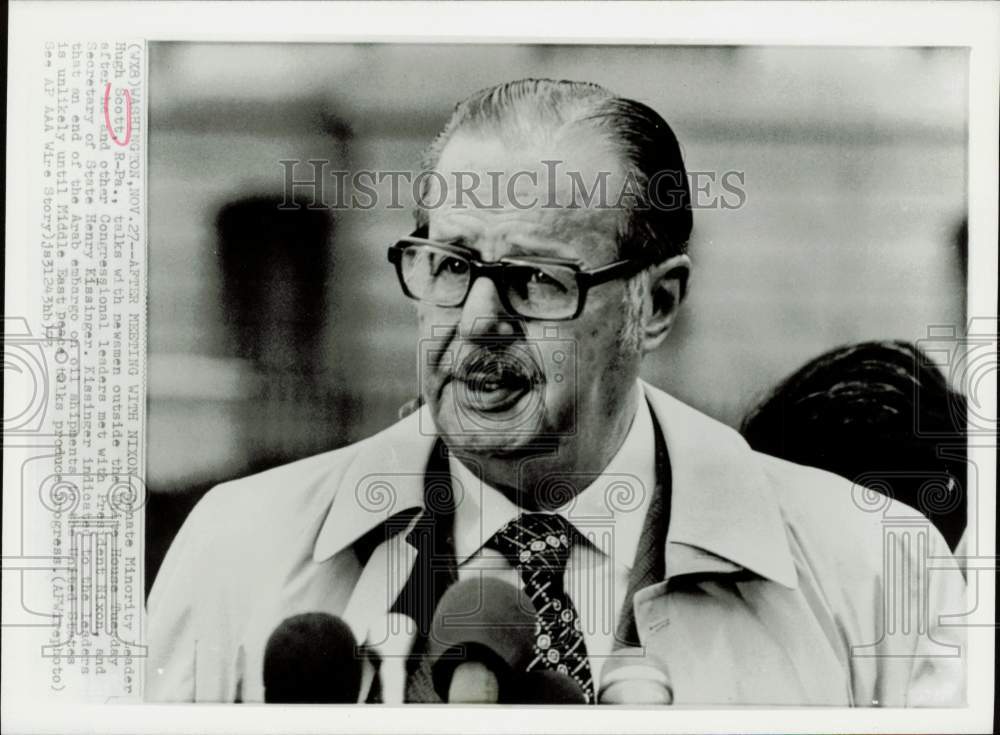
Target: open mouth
[494,382]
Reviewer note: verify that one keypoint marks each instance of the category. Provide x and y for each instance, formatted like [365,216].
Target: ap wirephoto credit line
[73,564]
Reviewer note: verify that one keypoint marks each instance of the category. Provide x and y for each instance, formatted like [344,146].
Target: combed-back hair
[657,217]
[880,414]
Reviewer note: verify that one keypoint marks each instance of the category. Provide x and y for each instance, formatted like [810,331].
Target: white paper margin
[974,25]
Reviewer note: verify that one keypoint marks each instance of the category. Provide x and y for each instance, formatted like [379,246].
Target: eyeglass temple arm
[612,271]
[626,268]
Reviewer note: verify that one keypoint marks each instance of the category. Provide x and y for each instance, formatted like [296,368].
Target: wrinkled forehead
[565,188]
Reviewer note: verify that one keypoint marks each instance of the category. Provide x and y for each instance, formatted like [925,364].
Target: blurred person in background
[744,579]
[880,414]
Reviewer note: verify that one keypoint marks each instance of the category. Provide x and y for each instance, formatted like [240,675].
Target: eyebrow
[515,249]
[459,241]
[543,250]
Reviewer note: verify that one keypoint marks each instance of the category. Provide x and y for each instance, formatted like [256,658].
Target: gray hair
[658,214]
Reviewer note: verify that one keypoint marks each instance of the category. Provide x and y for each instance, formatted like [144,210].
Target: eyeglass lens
[442,277]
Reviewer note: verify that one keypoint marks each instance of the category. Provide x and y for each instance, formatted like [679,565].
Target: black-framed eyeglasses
[532,287]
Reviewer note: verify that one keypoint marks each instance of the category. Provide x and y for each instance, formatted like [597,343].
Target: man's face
[498,384]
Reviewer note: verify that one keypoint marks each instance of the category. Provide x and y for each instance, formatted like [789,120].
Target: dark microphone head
[484,620]
[312,659]
[545,686]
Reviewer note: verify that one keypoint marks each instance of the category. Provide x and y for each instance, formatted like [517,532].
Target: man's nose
[484,316]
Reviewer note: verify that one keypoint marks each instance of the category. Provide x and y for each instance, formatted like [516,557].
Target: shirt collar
[480,512]
[619,496]
[723,513]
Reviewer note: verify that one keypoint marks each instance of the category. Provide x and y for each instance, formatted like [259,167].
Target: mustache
[498,364]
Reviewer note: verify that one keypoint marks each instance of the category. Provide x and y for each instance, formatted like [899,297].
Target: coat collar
[723,517]
[723,514]
[385,478]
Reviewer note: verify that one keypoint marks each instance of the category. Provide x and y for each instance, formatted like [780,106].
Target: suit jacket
[781,584]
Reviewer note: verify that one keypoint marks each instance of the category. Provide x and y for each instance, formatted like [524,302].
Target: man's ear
[667,287]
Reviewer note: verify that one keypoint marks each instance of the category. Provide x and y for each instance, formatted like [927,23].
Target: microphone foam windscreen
[482,619]
[635,676]
[311,659]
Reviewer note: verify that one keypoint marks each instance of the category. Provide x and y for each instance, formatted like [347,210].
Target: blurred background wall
[275,334]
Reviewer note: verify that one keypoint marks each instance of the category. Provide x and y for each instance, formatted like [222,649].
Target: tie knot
[535,542]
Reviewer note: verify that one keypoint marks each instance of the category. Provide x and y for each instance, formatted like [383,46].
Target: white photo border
[972,25]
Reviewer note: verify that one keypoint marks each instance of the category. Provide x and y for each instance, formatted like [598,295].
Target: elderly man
[549,258]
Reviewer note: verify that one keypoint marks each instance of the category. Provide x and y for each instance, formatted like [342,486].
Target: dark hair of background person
[880,414]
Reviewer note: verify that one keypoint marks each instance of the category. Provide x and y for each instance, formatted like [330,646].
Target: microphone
[482,631]
[545,686]
[392,641]
[635,676]
[482,638]
[474,683]
[312,658]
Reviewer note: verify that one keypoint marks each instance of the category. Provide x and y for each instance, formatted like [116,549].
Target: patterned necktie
[538,546]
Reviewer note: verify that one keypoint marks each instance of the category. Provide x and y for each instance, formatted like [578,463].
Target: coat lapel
[648,565]
[369,612]
[408,561]
[377,504]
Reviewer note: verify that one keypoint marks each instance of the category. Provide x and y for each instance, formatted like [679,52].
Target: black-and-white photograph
[438,368]
[537,374]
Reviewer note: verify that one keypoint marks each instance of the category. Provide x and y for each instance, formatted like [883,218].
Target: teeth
[491,381]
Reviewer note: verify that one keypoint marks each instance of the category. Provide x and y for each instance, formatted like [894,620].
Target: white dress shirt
[609,513]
